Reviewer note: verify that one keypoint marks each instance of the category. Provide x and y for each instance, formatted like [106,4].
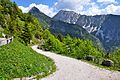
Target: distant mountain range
[105,28]
[64,28]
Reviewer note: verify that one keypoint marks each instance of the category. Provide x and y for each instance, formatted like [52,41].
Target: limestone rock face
[67,16]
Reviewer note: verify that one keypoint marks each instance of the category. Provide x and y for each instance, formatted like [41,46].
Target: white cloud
[95,10]
[112,9]
[76,5]
[24,10]
[106,1]
[86,7]
[43,8]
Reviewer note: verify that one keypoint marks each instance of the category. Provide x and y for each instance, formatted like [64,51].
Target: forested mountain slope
[105,27]
[59,27]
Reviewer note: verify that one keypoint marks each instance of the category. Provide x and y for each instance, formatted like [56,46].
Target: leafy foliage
[16,59]
[78,48]
[51,43]
[73,47]
[15,23]
[116,58]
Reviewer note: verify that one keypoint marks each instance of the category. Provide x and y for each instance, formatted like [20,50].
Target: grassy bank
[17,60]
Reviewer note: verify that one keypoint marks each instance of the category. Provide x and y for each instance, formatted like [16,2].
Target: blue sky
[26,3]
[87,7]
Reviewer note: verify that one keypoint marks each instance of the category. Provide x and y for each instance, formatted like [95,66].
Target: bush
[116,58]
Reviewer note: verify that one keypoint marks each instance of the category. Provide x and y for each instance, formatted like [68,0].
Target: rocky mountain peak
[67,16]
[104,27]
[34,9]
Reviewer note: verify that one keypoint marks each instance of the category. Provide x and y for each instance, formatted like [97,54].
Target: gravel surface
[72,69]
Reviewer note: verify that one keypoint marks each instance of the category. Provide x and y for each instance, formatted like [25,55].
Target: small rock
[119,70]
[46,49]
[38,47]
[89,58]
[107,63]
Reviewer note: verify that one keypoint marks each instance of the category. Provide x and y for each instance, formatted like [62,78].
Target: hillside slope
[17,60]
[105,27]
[61,27]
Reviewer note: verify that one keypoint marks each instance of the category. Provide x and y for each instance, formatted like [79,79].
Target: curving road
[72,69]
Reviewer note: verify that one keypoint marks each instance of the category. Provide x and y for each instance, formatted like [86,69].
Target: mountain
[109,32]
[90,23]
[105,27]
[44,19]
[69,16]
[76,47]
[58,26]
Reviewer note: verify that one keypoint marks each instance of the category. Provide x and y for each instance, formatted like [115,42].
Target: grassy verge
[99,65]
[17,61]
[112,68]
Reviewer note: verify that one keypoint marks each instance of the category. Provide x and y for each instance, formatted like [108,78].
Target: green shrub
[116,58]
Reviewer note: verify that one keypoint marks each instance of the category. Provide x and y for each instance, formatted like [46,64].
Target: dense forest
[13,22]
[29,31]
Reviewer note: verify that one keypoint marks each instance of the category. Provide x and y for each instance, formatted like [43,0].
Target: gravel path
[72,69]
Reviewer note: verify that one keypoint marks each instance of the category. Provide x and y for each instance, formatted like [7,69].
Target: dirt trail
[72,69]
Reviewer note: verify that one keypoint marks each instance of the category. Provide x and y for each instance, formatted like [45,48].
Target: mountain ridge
[58,26]
[101,26]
